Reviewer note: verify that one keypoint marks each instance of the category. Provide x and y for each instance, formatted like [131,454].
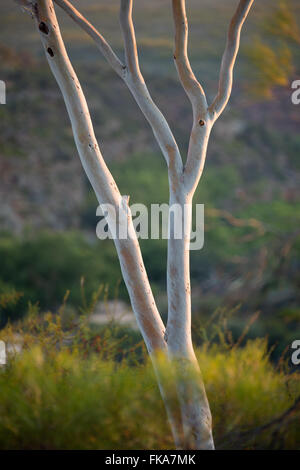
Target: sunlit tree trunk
[192,426]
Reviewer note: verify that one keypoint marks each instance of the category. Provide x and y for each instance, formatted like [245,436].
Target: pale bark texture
[192,427]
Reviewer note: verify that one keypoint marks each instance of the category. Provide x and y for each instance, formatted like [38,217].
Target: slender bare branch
[139,90]
[127,26]
[134,80]
[195,92]
[229,57]
[189,82]
[203,123]
[106,190]
[100,41]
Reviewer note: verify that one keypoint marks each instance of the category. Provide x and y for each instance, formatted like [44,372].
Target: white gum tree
[192,425]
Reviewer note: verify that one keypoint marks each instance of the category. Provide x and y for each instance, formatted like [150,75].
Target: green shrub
[66,391]
[44,266]
[246,393]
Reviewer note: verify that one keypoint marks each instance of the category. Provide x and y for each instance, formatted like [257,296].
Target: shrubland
[74,386]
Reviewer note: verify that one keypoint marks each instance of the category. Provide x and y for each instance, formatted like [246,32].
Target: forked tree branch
[189,82]
[133,78]
[201,118]
[229,57]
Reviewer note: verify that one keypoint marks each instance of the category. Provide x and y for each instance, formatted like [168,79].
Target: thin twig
[229,57]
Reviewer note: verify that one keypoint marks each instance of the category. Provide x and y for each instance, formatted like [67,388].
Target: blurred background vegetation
[80,387]
[249,264]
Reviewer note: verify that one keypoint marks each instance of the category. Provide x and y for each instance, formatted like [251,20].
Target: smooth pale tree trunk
[195,411]
[189,414]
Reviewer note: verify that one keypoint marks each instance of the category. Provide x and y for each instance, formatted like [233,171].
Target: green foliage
[136,176]
[245,393]
[9,300]
[44,266]
[66,402]
[68,391]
